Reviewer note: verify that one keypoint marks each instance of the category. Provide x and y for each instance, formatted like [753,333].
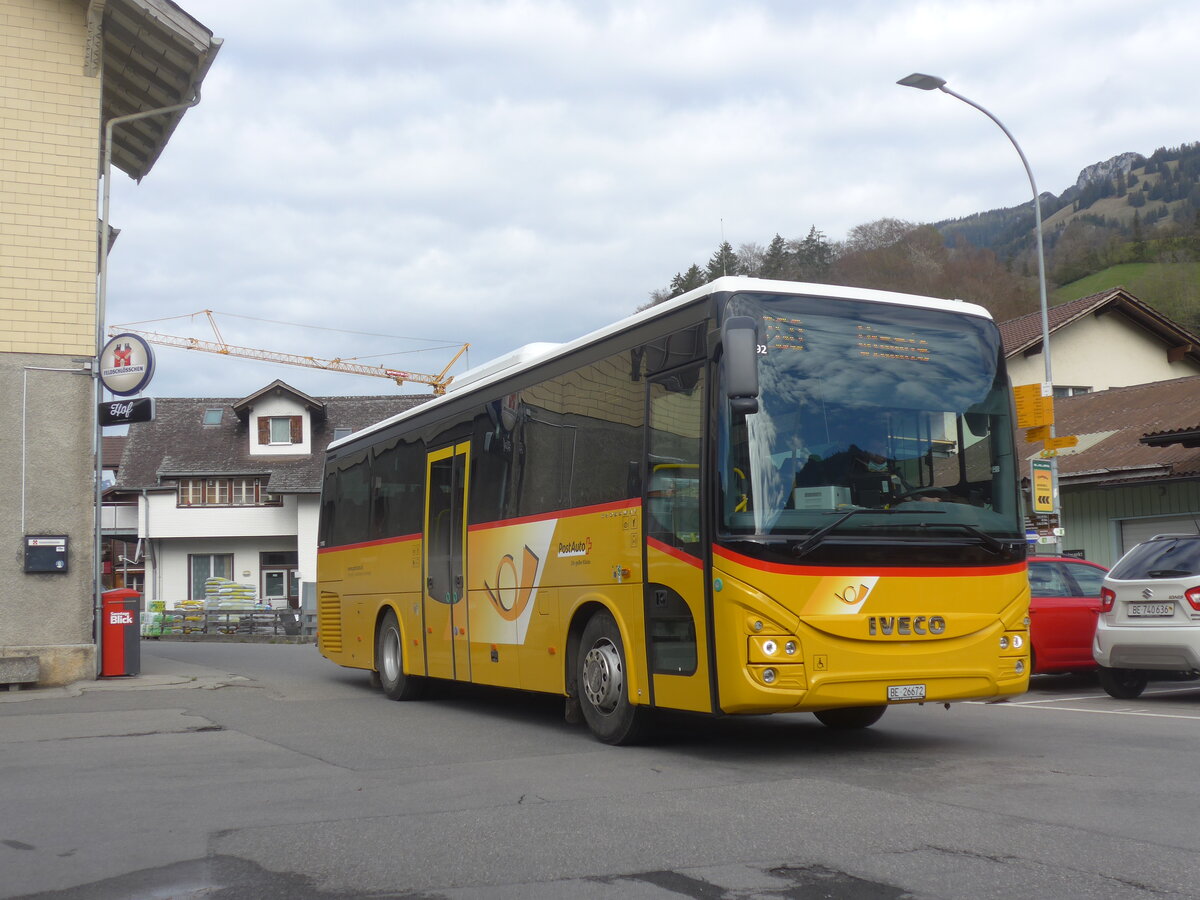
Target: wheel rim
[389,664]
[603,676]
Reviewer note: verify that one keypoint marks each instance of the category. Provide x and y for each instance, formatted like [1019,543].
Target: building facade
[229,488]
[66,67]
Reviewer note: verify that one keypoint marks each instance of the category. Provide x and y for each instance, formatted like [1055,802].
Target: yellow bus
[758,497]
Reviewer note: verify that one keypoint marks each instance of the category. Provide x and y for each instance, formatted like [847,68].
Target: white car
[1150,614]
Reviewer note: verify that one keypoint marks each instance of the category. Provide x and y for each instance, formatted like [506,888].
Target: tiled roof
[177,443]
[1024,334]
[1110,426]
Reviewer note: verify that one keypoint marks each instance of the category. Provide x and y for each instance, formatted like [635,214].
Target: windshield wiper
[996,546]
[1167,573]
[818,537]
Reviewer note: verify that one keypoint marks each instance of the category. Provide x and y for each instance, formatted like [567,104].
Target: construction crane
[438,382]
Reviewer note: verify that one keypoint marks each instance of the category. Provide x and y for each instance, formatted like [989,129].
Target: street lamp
[932,82]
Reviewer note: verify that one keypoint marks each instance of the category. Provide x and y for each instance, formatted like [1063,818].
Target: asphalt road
[254,771]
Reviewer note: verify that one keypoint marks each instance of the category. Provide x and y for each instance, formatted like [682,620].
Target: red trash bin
[120,632]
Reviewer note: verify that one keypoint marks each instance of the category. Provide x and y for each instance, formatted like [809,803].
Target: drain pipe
[101,300]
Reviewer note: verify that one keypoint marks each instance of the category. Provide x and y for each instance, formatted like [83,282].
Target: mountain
[1110,201]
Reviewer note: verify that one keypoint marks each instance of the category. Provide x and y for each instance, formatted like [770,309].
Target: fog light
[1020,667]
[1004,642]
[769,676]
[769,647]
[790,648]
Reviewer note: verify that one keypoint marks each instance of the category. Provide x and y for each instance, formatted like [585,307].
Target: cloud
[504,172]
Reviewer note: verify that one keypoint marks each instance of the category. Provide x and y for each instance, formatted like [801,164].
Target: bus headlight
[769,647]
[1004,642]
[790,648]
[1018,642]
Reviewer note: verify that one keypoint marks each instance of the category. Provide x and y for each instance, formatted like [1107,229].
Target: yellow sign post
[1043,485]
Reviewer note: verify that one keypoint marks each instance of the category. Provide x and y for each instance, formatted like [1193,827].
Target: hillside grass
[1171,288]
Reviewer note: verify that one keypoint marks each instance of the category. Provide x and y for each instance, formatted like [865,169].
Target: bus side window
[673,487]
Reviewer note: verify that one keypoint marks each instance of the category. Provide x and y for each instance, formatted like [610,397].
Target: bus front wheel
[602,685]
[389,663]
[850,716]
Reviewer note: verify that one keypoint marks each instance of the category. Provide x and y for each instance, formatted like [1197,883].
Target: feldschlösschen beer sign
[126,364]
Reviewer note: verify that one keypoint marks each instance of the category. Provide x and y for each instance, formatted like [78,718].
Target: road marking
[1121,711]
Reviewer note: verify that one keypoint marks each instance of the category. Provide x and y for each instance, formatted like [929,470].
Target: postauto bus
[758,497]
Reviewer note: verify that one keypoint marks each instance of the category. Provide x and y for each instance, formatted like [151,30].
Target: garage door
[1134,531]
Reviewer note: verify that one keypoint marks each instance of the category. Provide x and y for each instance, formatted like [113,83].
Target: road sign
[1040,433]
[1035,404]
[1043,485]
[125,412]
[1061,442]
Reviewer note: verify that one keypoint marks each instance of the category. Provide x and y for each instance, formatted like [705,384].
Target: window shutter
[297,429]
[264,430]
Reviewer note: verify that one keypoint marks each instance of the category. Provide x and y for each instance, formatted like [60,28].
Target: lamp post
[932,82]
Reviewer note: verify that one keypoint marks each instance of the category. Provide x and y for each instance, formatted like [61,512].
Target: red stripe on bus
[559,514]
[675,553]
[915,572]
[379,543]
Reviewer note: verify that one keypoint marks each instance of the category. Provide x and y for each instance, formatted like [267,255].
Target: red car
[1063,608]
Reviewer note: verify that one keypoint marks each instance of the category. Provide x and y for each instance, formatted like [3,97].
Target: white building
[231,488]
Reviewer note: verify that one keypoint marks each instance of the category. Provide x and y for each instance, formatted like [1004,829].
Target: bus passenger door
[445,606]
[676,621]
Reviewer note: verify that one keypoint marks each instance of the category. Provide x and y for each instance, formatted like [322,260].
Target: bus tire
[848,717]
[1123,684]
[389,662]
[602,684]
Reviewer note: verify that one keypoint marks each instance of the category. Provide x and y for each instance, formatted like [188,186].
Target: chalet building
[230,488]
[67,68]
[1127,385]
[1106,340]
[1136,470]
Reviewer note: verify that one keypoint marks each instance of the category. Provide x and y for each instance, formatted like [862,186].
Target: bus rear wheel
[848,717]
[602,685]
[389,663]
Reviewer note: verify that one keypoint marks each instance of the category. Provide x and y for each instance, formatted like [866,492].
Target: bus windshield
[875,419]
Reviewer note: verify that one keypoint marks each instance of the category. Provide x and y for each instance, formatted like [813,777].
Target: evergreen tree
[775,261]
[814,256]
[686,281]
[723,262]
[1138,242]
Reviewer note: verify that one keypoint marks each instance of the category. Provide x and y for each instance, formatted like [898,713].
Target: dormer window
[281,430]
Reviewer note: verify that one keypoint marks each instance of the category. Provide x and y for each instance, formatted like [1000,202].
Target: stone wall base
[58,664]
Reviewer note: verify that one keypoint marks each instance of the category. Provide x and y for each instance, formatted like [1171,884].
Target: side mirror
[739,337]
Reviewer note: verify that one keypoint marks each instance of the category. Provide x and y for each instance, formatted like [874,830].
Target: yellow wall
[49,145]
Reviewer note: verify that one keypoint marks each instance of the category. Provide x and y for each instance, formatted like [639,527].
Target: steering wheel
[921,492]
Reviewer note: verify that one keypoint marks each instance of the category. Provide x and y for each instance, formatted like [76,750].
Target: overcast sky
[388,180]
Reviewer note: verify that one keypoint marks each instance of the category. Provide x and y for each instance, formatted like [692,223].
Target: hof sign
[126,364]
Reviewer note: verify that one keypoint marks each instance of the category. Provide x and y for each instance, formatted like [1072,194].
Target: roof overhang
[1186,437]
[153,55]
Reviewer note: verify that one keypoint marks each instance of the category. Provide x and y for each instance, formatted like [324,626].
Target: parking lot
[260,770]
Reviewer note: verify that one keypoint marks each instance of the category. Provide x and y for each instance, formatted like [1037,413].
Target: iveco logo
[1147,594]
[889,625]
